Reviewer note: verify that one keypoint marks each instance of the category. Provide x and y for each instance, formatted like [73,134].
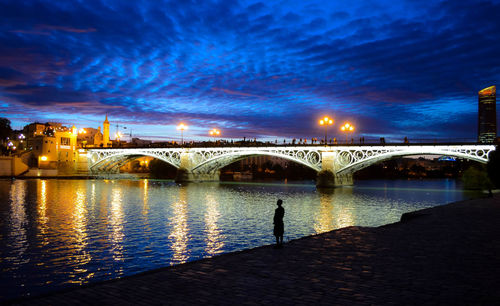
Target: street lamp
[347,128]
[326,122]
[182,127]
[214,133]
[118,135]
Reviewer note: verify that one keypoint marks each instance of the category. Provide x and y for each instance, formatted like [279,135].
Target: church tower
[105,134]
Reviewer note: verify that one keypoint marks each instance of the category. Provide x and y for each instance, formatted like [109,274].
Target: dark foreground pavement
[444,255]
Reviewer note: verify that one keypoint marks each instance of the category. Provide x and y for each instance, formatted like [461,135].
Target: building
[137,142]
[487,115]
[90,138]
[105,134]
[52,145]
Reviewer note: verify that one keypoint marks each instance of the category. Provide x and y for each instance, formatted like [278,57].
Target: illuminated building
[105,140]
[487,115]
[52,145]
[90,137]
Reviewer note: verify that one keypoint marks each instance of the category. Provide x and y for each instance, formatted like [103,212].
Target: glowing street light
[214,133]
[182,127]
[347,128]
[82,131]
[326,122]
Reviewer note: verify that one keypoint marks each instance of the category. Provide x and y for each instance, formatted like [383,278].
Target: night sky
[265,69]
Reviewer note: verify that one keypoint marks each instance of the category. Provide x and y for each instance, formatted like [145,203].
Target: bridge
[203,164]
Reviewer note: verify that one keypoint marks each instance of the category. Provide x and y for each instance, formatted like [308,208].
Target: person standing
[279,227]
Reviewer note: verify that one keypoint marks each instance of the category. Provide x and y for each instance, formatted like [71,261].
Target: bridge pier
[184,176]
[185,172]
[344,179]
[329,162]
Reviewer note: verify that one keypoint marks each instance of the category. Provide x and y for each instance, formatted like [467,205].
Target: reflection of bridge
[203,164]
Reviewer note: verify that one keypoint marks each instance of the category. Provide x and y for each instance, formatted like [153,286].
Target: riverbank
[442,255]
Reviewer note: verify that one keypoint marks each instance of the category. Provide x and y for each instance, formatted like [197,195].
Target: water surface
[58,233]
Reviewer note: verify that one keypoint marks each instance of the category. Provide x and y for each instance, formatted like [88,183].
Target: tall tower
[105,134]
[487,115]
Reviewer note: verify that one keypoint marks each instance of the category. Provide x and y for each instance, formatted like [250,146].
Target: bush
[493,168]
[474,178]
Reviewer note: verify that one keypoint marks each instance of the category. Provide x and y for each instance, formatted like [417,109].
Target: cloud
[266,68]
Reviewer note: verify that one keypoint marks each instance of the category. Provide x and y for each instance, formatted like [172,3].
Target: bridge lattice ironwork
[348,159]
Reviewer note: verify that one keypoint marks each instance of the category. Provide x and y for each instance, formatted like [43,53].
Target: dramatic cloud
[251,68]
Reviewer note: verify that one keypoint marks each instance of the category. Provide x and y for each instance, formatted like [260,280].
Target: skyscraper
[487,115]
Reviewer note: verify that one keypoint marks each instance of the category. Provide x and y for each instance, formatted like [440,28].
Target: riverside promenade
[444,255]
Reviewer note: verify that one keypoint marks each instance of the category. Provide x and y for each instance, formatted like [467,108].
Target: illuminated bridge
[203,164]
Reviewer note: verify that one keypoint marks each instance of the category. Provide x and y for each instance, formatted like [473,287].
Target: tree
[493,167]
[474,178]
[5,129]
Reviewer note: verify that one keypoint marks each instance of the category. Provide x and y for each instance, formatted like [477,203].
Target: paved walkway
[444,255]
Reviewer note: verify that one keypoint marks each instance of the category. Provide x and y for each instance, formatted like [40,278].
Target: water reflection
[214,239]
[18,222]
[42,211]
[81,255]
[179,233]
[335,210]
[54,232]
[324,217]
[145,206]
[116,223]
[92,196]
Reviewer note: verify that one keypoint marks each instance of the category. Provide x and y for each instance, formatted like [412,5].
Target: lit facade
[53,147]
[90,138]
[105,140]
[487,115]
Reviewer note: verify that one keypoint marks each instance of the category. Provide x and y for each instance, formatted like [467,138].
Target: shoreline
[352,255]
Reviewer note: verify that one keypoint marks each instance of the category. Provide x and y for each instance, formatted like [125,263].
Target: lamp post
[326,122]
[347,128]
[81,132]
[182,127]
[214,133]
[118,135]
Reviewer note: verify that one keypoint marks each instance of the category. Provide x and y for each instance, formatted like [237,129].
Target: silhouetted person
[279,227]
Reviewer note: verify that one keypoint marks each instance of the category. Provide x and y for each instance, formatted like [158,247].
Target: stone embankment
[443,255]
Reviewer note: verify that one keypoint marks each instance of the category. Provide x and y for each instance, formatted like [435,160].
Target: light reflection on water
[179,233]
[214,236]
[59,232]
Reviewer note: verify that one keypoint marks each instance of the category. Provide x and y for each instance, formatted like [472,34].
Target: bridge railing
[359,142]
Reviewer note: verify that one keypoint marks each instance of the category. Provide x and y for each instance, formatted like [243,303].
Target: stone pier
[329,162]
[186,173]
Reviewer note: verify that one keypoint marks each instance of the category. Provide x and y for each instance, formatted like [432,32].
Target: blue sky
[264,69]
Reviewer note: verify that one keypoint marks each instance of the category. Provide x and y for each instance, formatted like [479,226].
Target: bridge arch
[353,161]
[107,160]
[310,159]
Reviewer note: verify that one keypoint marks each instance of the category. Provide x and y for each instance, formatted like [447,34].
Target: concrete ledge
[413,215]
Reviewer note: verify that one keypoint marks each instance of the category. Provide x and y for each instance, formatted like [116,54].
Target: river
[57,233]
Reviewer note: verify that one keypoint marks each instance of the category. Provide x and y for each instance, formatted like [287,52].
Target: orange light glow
[488,91]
